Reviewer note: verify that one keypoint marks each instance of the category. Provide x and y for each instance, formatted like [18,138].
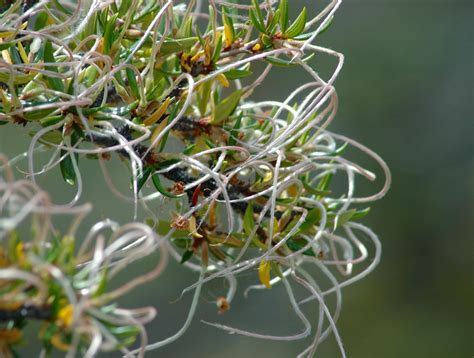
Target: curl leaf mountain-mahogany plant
[165,87]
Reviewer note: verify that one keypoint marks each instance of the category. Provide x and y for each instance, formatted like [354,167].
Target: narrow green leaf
[235,131]
[172,115]
[125,331]
[218,49]
[20,78]
[226,107]
[189,149]
[298,26]
[56,83]
[286,63]
[279,62]
[49,121]
[141,180]
[306,36]
[109,34]
[102,283]
[40,21]
[186,256]
[272,25]
[6,46]
[314,191]
[238,73]
[313,218]
[49,138]
[267,41]
[186,29]
[324,183]
[283,7]
[361,213]
[286,201]
[182,242]
[209,143]
[132,81]
[340,150]
[249,221]
[258,25]
[157,183]
[258,12]
[203,97]
[15,55]
[67,169]
[298,244]
[344,217]
[170,46]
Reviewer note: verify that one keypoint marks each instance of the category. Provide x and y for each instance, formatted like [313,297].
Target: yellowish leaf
[264,273]
[193,228]
[292,191]
[228,35]
[66,315]
[22,52]
[159,128]
[158,113]
[57,341]
[223,80]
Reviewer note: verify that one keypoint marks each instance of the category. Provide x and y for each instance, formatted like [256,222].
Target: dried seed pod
[180,223]
[222,304]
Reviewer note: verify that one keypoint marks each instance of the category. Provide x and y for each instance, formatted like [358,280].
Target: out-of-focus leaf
[298,244]
[41,20]
[306,36]
[157,183]
[285,63]
[155,116]
[361,213]
[324,183]
[226,107]
[315,191]
[172,46]
[49,121]
[186,256]
[237,73]
[235,131]
[67,168]
[313,218]
[249,221]
[123,332]
[141,180]
[182,242]
[264,273]
[344,217]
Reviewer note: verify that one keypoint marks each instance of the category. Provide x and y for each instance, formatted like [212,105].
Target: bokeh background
[406,91]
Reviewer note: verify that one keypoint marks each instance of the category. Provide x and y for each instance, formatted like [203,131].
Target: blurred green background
[406,91]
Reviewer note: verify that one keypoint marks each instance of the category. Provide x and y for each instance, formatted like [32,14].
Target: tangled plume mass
[245,187]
